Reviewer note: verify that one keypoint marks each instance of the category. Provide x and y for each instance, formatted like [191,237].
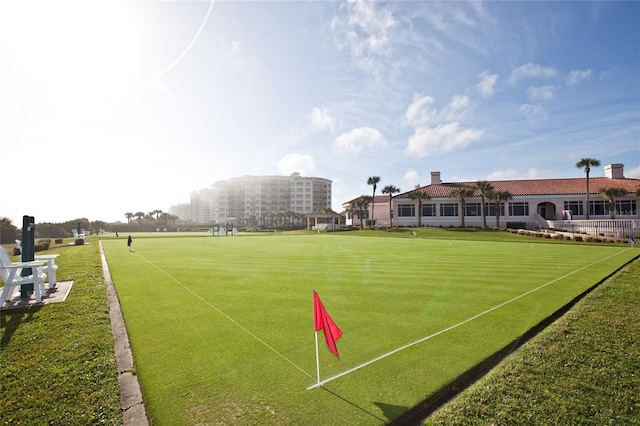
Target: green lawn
[583,369]
[221,328]
[57,364]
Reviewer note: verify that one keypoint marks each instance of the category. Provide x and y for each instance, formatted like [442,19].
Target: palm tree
[419,195]
[129,216]
[373,180]
[139,216]
[390,189]
[611,194]
[586,163]
[498,197]
[462,193]
[360,204]
[157,213]
[484,187]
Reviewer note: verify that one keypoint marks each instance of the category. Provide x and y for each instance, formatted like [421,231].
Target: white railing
[541,222]
[612,228]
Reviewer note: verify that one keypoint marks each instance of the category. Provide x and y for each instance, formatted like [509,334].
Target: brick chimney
[435,178]
[614,171]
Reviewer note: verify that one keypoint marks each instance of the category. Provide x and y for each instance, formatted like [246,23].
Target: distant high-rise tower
[252,198]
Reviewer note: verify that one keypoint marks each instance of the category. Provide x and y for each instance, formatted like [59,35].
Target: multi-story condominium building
[256,199]
[202,206]
[181,211]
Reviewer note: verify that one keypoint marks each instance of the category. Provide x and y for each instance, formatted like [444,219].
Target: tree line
[155,216]
[146,222]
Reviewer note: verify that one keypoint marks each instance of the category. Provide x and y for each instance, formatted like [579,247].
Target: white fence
[611,228]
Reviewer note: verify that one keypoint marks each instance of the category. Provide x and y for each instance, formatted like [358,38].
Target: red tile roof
[380,199]
[572,186]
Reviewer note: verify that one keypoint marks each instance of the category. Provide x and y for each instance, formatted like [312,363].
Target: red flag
[322,321]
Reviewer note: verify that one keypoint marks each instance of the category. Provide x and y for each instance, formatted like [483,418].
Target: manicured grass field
[222,329]
[581,370]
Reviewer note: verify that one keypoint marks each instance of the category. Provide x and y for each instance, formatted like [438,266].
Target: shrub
[578,238]
[41,246]
[517,225]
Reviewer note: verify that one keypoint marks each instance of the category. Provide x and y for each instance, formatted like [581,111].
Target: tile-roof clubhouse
[531,202]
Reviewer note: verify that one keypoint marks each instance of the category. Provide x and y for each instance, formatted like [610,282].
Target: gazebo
[328,221]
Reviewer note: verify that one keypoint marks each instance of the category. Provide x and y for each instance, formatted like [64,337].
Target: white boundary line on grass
[344,373]
[226,316]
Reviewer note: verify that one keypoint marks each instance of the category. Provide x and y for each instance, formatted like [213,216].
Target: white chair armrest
[32,264]
[45,256]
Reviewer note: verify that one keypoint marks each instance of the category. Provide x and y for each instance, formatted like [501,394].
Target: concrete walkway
[53,295]
[133,411]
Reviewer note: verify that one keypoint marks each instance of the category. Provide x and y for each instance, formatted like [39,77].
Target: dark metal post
[28,251]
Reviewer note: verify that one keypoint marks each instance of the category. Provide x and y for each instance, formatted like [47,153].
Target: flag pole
[317,359]
[316,333]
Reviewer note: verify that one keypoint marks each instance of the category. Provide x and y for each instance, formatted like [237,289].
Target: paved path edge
[133,409]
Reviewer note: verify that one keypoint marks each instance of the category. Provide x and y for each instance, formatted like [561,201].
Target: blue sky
[115,106]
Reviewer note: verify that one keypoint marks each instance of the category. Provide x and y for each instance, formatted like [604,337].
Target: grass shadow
[11,319]
[354,404]
[391,411]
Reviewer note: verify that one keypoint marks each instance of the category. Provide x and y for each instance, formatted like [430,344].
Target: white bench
[10,274]
[49,268]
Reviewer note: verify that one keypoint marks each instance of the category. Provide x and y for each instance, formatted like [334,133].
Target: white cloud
[459,103]
[532,71]
[417,111]
[236,47]
[439,131]
[411,178]
[487,84]
[320,119]
[458,109]
[578,76]
[356,140]
[541,93]
[533,112]
[420,111]
[606,75]
[366,30]
[291,163]
[512,174]
[633,173]
[443,138]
